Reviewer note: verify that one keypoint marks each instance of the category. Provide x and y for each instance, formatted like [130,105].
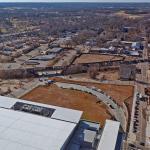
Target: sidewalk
[25,89]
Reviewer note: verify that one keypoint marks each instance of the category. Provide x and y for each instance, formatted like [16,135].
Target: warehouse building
[26,125]
[55,50]
[110,133]
[44,57]
[127,72]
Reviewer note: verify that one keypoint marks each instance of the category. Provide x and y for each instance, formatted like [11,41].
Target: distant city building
[55,50]
[128,29]
[44,57]
[137,46]
[127,72]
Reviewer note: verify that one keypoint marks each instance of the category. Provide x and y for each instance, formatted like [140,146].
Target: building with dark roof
[127,72]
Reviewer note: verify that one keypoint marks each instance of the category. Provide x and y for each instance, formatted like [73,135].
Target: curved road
[115,109]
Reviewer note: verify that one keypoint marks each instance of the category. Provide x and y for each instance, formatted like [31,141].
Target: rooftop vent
[33,109]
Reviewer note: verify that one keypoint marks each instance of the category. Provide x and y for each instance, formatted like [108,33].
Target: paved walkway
[25,89]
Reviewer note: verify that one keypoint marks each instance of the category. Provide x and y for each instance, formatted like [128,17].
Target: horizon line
[74,2]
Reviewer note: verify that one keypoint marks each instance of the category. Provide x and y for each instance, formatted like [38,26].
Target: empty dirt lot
[78,100]
[120,93]
[108,75]
[54,95]
[90,58]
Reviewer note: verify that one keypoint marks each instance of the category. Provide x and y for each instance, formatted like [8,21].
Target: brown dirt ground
[130,58]
[89,58]
[93,111]
[52,62]
[54,95]
[120,93]
[109,75]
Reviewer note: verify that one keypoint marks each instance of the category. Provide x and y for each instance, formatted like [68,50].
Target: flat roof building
[44,57]
[85,137]
[109,136]
[56,50]
[27,125]
[127,72]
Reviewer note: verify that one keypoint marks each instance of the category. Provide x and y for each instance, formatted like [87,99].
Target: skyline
[100,1]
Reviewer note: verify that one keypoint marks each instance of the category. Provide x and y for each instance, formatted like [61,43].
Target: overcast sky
[74,0]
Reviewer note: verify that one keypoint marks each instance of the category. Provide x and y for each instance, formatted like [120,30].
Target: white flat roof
[60,113]
[109,135]
[25,131]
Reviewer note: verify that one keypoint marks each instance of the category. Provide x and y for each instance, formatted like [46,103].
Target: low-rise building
[55,50]
[26,125]
[111,134]
[127,72]
[44,57]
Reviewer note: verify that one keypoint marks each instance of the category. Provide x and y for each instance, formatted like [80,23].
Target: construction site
[94,109]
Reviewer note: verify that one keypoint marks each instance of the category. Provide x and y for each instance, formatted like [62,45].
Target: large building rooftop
[60,113]
[109,137]
[26,125]
[32,126]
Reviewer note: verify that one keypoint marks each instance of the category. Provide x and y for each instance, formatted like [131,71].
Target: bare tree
[93,72]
